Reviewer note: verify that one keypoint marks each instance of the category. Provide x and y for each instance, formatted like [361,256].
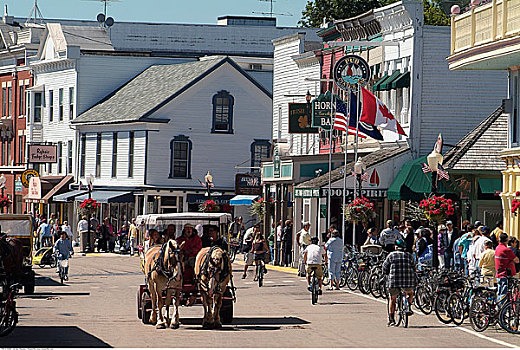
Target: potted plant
[209,206]
[437,208]
[89,205]
[258,207]
[515,204]
[359,210]
[5,202]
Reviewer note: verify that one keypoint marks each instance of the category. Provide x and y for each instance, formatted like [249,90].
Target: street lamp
[90,184]
[434,159]
[359,169]
[209,182]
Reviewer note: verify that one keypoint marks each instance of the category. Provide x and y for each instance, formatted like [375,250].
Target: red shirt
[192,245]
[504,257]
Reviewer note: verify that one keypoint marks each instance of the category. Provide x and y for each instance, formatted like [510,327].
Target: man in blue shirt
[63,250]
[334,247]
[45,234]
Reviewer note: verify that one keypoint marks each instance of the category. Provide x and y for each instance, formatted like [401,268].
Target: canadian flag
[376,113]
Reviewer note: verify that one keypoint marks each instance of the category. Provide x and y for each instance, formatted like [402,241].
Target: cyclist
[259,250]
[303,238]
[399,267]
[312,256]
[63,250]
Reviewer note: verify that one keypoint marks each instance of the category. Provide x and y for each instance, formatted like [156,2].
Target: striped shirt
[400,270]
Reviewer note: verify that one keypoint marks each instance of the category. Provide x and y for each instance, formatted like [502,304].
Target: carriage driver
[192,245]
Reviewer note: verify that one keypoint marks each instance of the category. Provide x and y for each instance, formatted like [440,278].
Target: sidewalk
[292,270]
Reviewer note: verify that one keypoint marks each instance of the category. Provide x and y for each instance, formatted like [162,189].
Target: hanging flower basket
[258,207]
[209,206]
[5,202]
[437,208]
[360,210]
[89,205]
[515,204]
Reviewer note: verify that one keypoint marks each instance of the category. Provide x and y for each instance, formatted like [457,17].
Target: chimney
[7,19]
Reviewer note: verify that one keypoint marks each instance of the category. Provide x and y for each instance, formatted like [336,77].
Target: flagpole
[330,155]
[356,157]
[343,226]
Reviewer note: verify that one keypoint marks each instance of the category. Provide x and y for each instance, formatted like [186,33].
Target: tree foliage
[316,10]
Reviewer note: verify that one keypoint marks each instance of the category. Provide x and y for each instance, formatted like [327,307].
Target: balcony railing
[497,20]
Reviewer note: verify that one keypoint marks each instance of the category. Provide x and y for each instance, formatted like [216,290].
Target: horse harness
[209,270]
[161,269]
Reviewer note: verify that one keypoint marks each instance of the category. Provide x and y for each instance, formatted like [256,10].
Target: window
[83,155]
[61,104]
[180,162]
[71,103]
[4,101]
[59,150]
[51,105]
[21,105]
[9,101]
[98,155]
[131,145]
[114,155]
[260,149]
[69,157]
[223,112]
[21,149]
[38,107]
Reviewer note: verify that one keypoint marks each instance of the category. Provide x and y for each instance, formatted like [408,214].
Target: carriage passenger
[154,238]
[192,244]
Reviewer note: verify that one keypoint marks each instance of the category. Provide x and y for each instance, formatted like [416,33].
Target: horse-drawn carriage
[20,228]
[188,292]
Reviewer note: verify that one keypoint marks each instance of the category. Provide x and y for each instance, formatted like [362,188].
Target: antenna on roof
[271,13]
[35,15]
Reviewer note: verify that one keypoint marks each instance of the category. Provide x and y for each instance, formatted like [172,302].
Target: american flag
[442,173]
[341,116]
[426,168]
[364,177]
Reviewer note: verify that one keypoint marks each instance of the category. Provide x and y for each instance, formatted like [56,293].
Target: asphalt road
[97,308]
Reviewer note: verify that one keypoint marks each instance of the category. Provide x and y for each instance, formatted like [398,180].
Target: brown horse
[11,256]
[213,271]
[163,268]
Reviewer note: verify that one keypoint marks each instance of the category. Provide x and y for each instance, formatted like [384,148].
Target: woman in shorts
[259,250]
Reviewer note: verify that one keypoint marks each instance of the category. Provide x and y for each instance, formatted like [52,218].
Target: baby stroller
[44,256]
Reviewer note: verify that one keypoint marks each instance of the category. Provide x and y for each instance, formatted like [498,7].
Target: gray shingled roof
[147,92]
[369,160]
[87,38]
[479,149]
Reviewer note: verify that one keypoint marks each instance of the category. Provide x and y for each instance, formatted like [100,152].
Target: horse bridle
[210,270]
[170,273]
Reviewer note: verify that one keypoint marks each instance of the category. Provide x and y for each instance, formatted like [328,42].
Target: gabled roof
[479,149]
[152,89]
[369,160]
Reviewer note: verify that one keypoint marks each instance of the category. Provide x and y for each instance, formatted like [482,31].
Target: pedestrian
[457,260]
[287,237]
[512,243]
[303,239]
[389,236]
[334,248]
[123,238]
[111,235]
[278,247]
[372,237]
[247,245]
[505,261]
[487,264]
[448,240]
[132,233]
[270,240]
[440,253]
[423,249]
[68,230]
[409,239]
[82,230]
[479,246]
[44,231]
[499,229]
[464,244]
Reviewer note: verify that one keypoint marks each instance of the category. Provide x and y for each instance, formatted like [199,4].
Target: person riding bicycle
[303,238]
[63,250]
[312,257]
[399,267]
[259,250]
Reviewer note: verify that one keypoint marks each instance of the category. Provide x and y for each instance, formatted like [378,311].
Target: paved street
[98,308]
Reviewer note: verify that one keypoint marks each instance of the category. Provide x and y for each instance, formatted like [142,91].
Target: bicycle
[63,266]
[8,313]
[233,248]
[315,287]
[260,273]
[484,310]
[402,308]
[326,276]
[509,314]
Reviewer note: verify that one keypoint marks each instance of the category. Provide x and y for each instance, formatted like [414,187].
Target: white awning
[243,200]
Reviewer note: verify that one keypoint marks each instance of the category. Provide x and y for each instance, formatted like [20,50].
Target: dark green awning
[387,84]
[490,185]
[412,183]
[378,84]
[402,81]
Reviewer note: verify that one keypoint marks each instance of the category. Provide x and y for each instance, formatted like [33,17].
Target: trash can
[83,241]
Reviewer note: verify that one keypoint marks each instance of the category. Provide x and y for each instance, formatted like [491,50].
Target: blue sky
[176,11]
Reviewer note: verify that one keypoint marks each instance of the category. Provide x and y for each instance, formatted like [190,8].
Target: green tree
[316,10]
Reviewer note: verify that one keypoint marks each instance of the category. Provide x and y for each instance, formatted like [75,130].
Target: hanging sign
[18,186]
[300,119]
[35,188]
[276,162]
[321,108]
[43,154]
[26,176]
[351,70]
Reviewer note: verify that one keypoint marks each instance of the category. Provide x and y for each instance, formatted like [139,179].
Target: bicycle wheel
[8,318]
[441,307]
[363,282]
[232,253]
[404,310]
[398,313]
[375,289]
[479,314]
[509,317]
[343,277]
[326,277]
[314,290]
[456,308]
[352,279]
[260,274]
[424,300]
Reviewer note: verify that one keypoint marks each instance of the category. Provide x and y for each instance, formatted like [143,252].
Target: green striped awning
[387,84]
[402,81]
[379,82]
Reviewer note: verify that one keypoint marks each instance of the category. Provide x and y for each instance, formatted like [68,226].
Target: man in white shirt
[479,247]
[303,239]
[66,228]
[312,257]
[246,247]
[83,228]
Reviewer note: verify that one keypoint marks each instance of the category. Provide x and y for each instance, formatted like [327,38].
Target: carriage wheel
[28,288]
[138,306]
[146,305]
